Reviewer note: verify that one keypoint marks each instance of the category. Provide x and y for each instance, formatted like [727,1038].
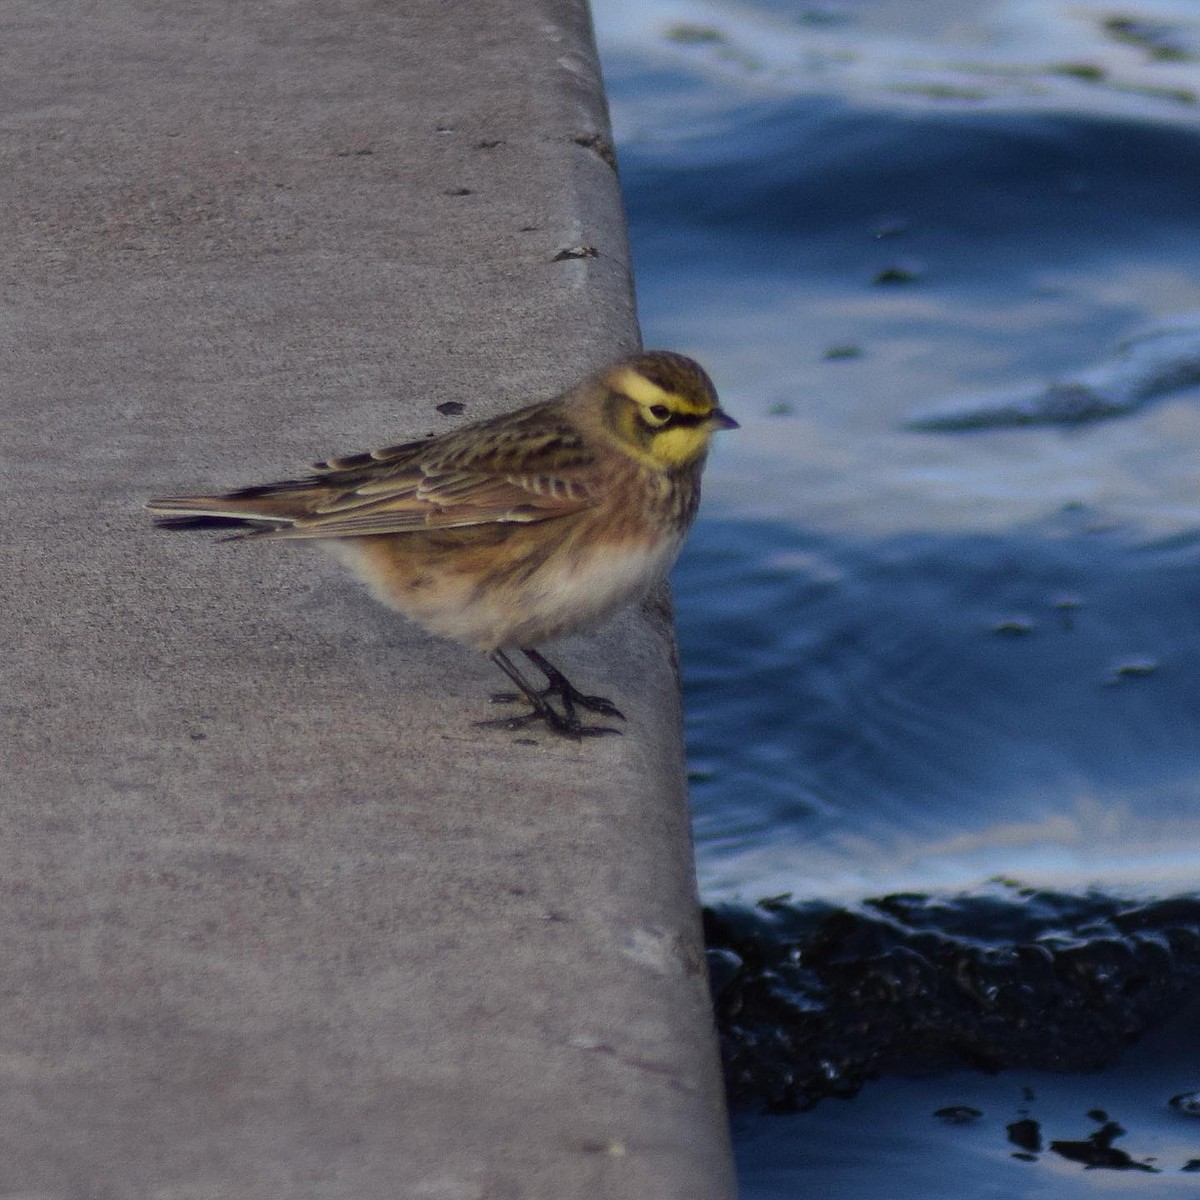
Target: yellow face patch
[680,445]
[668,427]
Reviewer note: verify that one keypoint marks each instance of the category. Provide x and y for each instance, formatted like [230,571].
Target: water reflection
[915,660]
[926,710]
[915,54]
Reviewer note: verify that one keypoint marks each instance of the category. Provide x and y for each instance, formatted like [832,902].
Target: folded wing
[519,473]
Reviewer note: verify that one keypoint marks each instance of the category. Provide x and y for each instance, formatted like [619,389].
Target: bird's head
[663,408]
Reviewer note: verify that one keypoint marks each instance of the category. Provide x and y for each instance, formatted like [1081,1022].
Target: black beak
[722,420]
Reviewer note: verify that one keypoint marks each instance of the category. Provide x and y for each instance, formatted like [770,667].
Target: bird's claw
[569,727]
[597,704]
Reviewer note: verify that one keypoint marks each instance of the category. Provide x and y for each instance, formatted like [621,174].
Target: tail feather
[265,505]
[251,511]
[244,526]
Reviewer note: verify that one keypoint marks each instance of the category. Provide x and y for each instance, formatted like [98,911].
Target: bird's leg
[562,687]
[566,723]
[541,710]
[557,684]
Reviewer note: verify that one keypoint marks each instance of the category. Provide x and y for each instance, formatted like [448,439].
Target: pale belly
[555,600]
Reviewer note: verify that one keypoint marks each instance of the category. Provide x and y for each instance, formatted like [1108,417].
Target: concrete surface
[276,920]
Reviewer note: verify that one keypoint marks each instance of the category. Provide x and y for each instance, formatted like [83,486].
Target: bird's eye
[661,413]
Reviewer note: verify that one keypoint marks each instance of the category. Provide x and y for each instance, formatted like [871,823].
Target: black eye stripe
[685,419]
[672,419]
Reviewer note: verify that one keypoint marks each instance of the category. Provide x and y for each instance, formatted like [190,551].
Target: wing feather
[533,466]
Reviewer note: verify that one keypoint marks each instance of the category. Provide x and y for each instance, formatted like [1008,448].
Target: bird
[512,531]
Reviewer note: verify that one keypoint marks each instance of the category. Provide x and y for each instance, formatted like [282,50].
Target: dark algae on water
[814,999]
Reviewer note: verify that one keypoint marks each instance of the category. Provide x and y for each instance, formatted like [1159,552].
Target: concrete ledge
[276,920]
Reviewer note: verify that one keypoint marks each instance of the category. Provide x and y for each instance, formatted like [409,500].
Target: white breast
[568,593]
[561,601]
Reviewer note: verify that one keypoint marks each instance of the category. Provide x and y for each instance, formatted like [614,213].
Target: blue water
[918,661]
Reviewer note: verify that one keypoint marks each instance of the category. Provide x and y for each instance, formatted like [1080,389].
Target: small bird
[512,531]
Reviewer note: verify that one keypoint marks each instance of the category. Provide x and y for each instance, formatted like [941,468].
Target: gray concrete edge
[277,919]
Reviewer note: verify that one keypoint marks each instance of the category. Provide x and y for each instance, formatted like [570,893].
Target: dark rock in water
[1026,1133]
[812,1000]
[1098,1151]
[958,1114]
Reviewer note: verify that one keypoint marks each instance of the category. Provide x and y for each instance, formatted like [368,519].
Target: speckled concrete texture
[276,919]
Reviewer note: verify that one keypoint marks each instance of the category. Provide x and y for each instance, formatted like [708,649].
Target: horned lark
[512,531]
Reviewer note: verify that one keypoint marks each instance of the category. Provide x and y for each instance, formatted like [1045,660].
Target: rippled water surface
[918,661]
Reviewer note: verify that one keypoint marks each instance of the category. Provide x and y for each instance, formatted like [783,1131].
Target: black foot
[597,704]
[563,726]
[565,723]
